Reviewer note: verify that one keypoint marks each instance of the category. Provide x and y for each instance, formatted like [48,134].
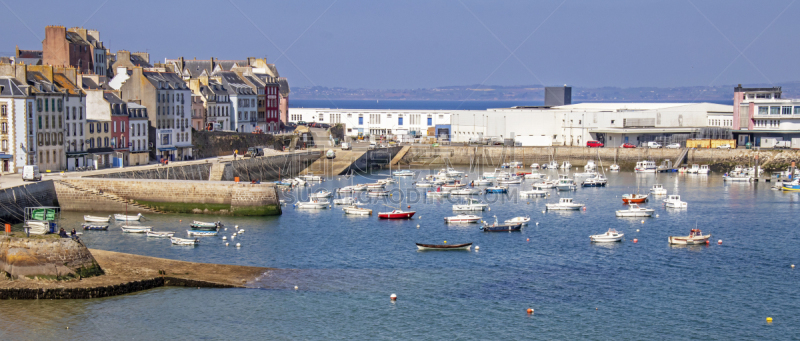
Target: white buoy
[295,287]
[543,212]
[393,297]
[792,266]
[238,245]
[226,229]
[236,226]
[490,208]
[637,230]
[477,248]
[537,223]
[226,244]
[642,221]
[417,225]
[224,238]
[233,236]
[420,217]
[656,215]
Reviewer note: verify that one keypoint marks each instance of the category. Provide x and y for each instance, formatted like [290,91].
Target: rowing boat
[443,247]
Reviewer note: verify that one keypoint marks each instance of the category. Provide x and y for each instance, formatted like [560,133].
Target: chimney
[95,34]
[21,73]
[80,31]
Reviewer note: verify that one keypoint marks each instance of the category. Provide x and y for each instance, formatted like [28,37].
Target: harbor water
[346,267]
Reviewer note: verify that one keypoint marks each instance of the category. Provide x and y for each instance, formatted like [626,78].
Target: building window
[91,128]
[774,110]
[60,138]
[3,109]
[763,110]
[59,122]
[786,111]
[106,140]
[106,127]
[39,105]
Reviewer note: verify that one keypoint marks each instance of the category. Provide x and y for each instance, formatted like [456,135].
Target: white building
[138,129]
[243,101]
[13,124]
[380,122]
[761,113]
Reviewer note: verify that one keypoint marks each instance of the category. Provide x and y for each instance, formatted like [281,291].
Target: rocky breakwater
[46,258]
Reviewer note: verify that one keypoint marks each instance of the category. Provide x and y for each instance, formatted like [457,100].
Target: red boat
[634,198]
[396,214]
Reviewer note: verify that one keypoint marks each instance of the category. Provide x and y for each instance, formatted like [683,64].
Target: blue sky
[421,44]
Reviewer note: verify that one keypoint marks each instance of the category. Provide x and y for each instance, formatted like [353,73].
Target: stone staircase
[217,172]
[108,196]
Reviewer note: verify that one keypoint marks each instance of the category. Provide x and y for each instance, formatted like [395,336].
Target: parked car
[724,146]
[330,154]
[372,146]
[674,146]
[628,145]
[302,123]
[253,152]
[594,144]
[31,173]
[652,144]
[346,146]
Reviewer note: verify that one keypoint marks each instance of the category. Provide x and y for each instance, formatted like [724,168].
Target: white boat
[693,169]
[344,201]
[404,172]
[482,182]
[588,173]
[299,182]
[122,217]
[695,237]
[356,210]
[564,204]
[610,236]
[566,165]
[674,201]
[737,177]
[703,169]
[614,168]
[387,181]
[322,194]
[453,172]
[346,189]
[184,241]
[635,211]
[195,233]
[310,177]
[136,229]
[359,188]
[37,227]
[545,184]
[590,166]
[375,185]
[516,220]
[463,218]
[312,203]
[535,166]
[566,185]
[465,191]
[424,184]
[532,193]
[645,167]
[471,205]
[513,180]
[95,219]
[453,186]
[552,165]
[658,189]
[534,176]
[437,193]
[160,234]
[378,193]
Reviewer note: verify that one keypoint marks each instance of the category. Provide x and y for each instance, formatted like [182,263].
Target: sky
[431,43]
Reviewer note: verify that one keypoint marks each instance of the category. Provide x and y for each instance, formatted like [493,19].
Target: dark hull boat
[443,247]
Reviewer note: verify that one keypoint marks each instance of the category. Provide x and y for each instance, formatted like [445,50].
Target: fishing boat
[299,182]
[95,227]
[160,234]
[482,182]
[202,224]
[532,193]
[594,182]
[378,193]
[136,229]
[695,237]
[674,201]
[547,184]
[497,189]
[195,233]
[634,198]
[521,220]
[345,189]
[614,168]
[535,166]
[396,214]
[566,185]
[404,172]
[184,241]
[588,173]
[465,191]
[497,227]
[122,217]
[693,169]
[658,189]
[312,203]
[635,211]
[95,219]
[564,204]
[471,205]
[453,186]
[793,186]
[321,194]
[590,166]
[356,210]
[610,236]
[513,180]
[463,218]
[443,247]
[344,201]
[703,169]
[683,169]
[645,167]
[566,165]
[553,164]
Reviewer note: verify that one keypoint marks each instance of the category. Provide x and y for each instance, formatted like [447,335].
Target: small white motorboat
[737,177]
[387,181]
[465,191]
[614,168]
[534,176]
[482,182]
[136,229]
[551,165]
[453,186]
[345,189]
[122,217]
[674,201]
[694,169]
[516,220]
[545,184]
[463,218]
[564,204]
[184,241]
[590,166]
[404,172]
[160,234]
[703,169]
[424,184]
[658,189]
[378,193]
[471,205]
[344,201]
[298,182]
[321,194]
[437,193]
[635,211]
[311,177]
[512,180]
[356,210]
[610,236]
[375,185]
[312,203]
[566,185]
[535,166]
[533,193]
[695,237]
[195,233]
[566,165]
[645,167]
[95,219]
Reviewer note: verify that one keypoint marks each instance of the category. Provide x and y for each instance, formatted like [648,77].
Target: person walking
[235,152]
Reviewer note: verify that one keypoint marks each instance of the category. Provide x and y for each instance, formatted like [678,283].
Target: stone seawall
[13,200]
[267,168]
[46,258]
[216,197]
[195,171]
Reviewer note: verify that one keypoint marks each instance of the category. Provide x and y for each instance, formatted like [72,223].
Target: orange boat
[634,198]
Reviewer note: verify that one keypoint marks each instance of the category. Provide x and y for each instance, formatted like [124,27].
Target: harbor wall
[46,258]
[13,200]
[217,197]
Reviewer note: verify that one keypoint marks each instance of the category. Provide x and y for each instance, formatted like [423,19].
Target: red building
[120,137]
[63,48]
[272,107]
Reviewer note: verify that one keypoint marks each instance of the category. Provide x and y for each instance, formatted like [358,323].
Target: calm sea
[346,267]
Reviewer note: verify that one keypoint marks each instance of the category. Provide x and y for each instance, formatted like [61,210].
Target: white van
[31,173]
[653,145]
[346,146]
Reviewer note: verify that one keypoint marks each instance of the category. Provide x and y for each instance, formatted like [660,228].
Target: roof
[76,38]
[29,61]
[29,53]
[90,84]
[169,80]
[196,67]
[139,61]
[39,83]
[112,98]
[134,105]
[10,87]
[235,84]
[65,84]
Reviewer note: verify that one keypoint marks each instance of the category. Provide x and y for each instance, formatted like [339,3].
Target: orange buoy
[529,239]
[180,221]
[409,206]
[635,240]
[584,208]
[393,297]
[530,311]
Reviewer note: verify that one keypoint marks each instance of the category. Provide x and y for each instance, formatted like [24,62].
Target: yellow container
[719,142]
[698,143]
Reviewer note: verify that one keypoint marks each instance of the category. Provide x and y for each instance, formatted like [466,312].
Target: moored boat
[195,233]
[513,180]
[344,201]
[614,168]
[443,247]
[321,194]
[533,193]
[564,204]
[184,241]
[136,229]
[160,234]
[378,193]
[312,203]
[566,185]
[463,218]
[96,219]
[610,236]
[695,237]
[465,191]
[123,217]
[404,172]
[674,201]
[96,227]
[635,211]
[594,182]
[497,227]
[437,193]
[201,224]
[703,169]
[497,189]
[396,214]
[356,210]
[658,189]
[471,205]
[535,166]
[645,167]
[522,220]
[482,182]
[634,198]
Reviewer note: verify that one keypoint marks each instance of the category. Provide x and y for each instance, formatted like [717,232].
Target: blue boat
[497,189]
[501,227]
